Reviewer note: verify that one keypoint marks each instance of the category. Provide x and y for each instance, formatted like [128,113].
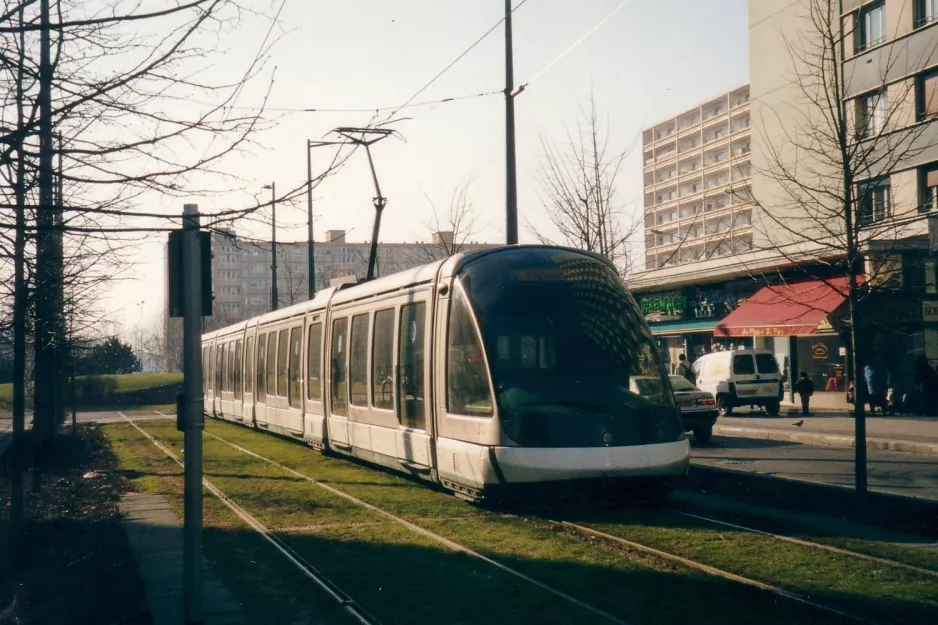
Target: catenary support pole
[194,417]
[511,200]
[274,295]
[44,413]
[310,243]
[17,493]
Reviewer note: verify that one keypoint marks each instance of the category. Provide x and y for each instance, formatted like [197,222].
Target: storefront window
[823,358]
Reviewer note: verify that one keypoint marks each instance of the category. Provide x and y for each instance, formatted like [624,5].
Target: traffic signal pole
[194,416]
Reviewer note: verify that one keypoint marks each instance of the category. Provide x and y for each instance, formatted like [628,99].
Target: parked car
[742,377]
[698,408]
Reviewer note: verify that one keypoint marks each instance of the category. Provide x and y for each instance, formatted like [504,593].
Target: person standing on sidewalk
[875,374]
[926,379]
[805,389]
[685,370]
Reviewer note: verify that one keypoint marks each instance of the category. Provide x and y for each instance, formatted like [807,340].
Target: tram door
[338,384]
[411,382]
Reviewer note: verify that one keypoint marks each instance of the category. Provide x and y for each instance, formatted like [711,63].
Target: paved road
[6,421]
[903,474]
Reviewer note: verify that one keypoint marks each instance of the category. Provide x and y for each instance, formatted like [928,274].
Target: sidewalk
[155,535]
[917,435]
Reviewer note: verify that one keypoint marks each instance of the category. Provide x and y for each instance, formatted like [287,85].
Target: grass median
[375,561]
[114,392]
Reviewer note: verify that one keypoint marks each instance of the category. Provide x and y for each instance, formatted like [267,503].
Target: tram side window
[272,364]
[296,380]
[219,364]
[237,370]
[283,354]
[230,377]
[249,365]
[205,363]
[467,380]
[339,346]
[262,367]
[411,357]
[382,360]
[358,361]
[313,358]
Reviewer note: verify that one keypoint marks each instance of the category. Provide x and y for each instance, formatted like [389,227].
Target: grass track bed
[909,550]
[373,560]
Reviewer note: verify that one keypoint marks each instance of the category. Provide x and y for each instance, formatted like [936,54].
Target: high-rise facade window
[872,113]
[873,199]
[926,95]
[926,12]
[928,181]
[871,26]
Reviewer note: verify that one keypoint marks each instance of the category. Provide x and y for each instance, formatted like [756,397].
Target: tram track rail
[582,529]
[442,540]
[812,544]
[710,570]
[548,517]
[338,595]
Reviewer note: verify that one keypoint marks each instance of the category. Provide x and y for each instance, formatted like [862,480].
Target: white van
[742,377]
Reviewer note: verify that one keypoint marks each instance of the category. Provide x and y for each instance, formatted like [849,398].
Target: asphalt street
[912,475]
[6,421]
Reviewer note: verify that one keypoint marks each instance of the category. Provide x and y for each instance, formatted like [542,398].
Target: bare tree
[826,163]
[579,190]
[453,229]
[294,279]
[163,339]
[134,114]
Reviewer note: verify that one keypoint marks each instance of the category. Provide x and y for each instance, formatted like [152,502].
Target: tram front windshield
[572,361]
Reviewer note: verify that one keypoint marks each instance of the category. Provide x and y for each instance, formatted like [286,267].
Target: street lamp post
[310,245]
[274,297]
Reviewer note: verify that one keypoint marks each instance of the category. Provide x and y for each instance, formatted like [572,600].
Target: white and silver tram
[496,368]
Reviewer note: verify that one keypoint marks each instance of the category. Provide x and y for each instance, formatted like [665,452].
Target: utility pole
[45,275]
[310,246]
[19,298]
[274,296]
[194,420]
[61,347]
[511,185]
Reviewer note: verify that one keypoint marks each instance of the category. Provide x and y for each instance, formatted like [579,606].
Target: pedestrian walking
[926,380]
[685,370]
[875,374]
[805,389]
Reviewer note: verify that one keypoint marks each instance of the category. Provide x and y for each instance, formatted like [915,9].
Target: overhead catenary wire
[375,109]
[576,43]
[453,62]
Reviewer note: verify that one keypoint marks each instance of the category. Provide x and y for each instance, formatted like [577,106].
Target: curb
[827,440]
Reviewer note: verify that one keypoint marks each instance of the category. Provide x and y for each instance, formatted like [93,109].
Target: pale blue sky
[653,59]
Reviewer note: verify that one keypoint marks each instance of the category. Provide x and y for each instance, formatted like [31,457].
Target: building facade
[781,285]
[696,177]
[242,269]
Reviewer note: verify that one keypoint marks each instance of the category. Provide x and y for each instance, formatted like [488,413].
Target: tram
[493,369]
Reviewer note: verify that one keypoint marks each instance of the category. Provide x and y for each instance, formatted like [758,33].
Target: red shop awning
[785,310]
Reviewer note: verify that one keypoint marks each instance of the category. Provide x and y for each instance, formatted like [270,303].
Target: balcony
[688,130]
[669,176]
[664,135]
[666,157]
[714,112]
[740,126]
[689,169]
